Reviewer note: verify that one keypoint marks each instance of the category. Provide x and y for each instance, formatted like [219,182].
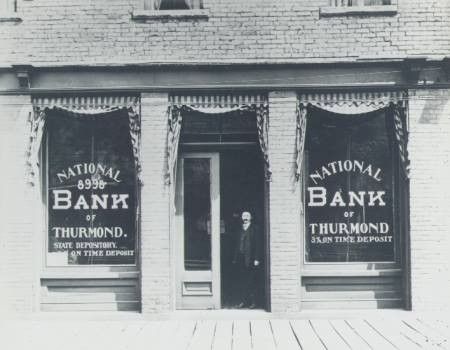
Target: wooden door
[197,236]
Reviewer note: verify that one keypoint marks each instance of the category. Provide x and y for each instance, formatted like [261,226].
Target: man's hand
[256,263]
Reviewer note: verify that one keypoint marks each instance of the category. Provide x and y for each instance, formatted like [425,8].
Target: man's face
[246,217]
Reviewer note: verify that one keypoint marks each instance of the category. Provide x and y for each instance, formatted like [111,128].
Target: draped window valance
[79,106]
[344,104]
[359,102]
[215,104]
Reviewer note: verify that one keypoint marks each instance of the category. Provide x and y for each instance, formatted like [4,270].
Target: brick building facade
[284,62]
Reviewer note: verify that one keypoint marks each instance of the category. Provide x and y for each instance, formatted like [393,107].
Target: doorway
[242,189]
[213,189]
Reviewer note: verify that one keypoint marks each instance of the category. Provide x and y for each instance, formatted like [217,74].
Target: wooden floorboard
[284,336]
[306,335]
[241,335]
[122,339]
[165,335]
[435,337]
[262,335]
[119,334]
[370,335]
[329,337]
[183,336]
[437,326]
[414,336]
[389,328]
[202,339]
[223,335]
[426,340]
[145,336]
[354,341]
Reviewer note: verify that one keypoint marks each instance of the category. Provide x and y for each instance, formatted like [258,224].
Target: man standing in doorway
[247,260]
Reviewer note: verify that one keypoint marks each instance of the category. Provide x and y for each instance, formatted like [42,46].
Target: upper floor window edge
[359,7]
[170,9]
[8,11]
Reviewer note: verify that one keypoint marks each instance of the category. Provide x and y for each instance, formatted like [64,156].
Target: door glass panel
[197,214]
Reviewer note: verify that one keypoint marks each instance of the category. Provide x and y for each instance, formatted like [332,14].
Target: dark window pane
[91,192]
[197,214]
[236,126]
[173,5]
[349,210]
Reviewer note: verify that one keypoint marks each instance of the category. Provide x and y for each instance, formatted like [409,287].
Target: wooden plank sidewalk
[266,334]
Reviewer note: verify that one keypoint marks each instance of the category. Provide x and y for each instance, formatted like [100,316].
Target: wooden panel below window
[376,292]
[90,295]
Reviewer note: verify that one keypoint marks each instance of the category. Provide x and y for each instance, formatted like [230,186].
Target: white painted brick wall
[155,238]
[285,225]
[18,210]
[429,147]
[55,32]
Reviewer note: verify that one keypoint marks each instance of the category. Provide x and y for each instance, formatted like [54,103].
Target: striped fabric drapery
[99,106]
[358,102]
[223,103]
[215,104]
[174,120]
[401,135]
[352,103]
[300,139]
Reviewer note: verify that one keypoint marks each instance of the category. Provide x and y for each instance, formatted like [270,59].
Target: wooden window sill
[382,10]
[10,17]
[89,274]
[169,14]
[351,273]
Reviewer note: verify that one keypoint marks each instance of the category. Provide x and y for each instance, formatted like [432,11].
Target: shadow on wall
[434,110]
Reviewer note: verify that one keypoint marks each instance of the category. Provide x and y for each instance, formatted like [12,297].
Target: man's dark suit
[248,245]
[247,250]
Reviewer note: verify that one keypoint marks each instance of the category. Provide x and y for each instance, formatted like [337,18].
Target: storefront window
[349,188]
[91,190]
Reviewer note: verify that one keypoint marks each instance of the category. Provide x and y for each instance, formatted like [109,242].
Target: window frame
[147,11]
[361,9]
[356,268]
[78,270]
[358,3]
[8,11]
[151,5]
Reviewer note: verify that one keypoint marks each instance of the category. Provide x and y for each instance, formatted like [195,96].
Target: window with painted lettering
[349,188]
[91,190]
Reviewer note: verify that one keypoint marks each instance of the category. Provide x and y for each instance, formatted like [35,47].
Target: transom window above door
[237,126]
[172,4]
